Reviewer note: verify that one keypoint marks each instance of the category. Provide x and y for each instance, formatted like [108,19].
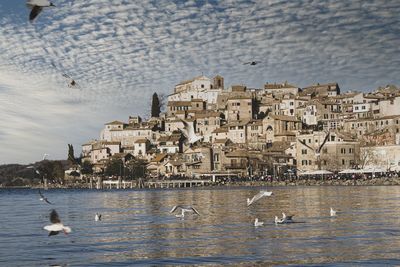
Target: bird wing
[246,63]
[66,76]
[323,143]
[195,211]
[174,208]
[48,202]
[53,233]
[41,195]
[304,144]
[35,11]
[266,193]
[54,217]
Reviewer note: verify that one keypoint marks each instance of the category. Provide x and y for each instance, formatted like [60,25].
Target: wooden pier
[177,183]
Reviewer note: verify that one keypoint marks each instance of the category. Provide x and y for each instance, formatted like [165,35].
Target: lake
[138,229]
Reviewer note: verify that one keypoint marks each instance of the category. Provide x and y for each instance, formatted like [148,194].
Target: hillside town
[279,131]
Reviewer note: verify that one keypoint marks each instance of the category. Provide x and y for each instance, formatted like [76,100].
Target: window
[304,151]
[351,151]
[343,162]
[343,150]
[240,127]
[202,86]
[356,108]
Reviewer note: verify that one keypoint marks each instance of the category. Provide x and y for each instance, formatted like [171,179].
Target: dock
[122,184]
[177,183]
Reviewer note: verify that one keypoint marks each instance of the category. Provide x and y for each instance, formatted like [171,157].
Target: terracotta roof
[221,130]
[141,141]
[239,153]
[178,103]
[278,86]
[284,118]
[191,80]
[159,157]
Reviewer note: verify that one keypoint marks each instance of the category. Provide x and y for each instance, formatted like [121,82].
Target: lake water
[137,228]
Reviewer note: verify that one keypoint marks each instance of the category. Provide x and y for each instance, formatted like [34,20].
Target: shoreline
[386,181]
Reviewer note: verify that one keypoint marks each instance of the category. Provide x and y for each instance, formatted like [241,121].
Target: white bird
[287,218]
[279,221]
[56,226]
[37,6]
[45,155]
[97,217]
[43,198]
[183,210]
[260,195]
[332,212]
[188,132]
[258,223]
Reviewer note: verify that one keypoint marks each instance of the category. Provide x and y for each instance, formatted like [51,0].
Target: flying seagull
[252,63]
[45,156]
[56,226]
[188,132]
[332,212]
[71,82]
[279,221]
[37,6]
[287,218]
[260,195]
[43,198]
[97,217]
[317,151]
[183,210]
[258,223]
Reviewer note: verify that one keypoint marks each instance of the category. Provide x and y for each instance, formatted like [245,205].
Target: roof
[141,141]
[114,123]
[221,130]
[284,118]
[179,103]
[239,153]
[159,157]
[191,80]
[279,85]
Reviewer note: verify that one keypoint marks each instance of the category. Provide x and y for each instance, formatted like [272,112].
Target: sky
[123,52]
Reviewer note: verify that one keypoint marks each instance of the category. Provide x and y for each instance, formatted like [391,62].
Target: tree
[155,106]
[137,168]
[114,167]
[71,156]
[86,167]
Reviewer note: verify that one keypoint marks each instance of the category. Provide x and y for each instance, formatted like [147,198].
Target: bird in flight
[37,6]
[71,82]
[97,217]
[332,212]
[188,132]
[287,218]
[252,63]
[317,151]
[56,227]
[183,210]
[257,197]
[43,198]
[258,223]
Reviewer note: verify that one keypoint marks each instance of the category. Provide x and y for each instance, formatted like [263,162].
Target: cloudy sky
[120,54]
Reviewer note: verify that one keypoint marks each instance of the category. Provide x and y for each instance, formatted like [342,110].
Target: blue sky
[122,53]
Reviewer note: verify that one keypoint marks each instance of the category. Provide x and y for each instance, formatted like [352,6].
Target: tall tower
[218,82]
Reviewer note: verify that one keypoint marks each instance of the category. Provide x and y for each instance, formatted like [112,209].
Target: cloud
[121,53]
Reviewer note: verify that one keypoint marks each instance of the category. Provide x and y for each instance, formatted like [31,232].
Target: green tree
[137,168]
[87,167]
[71,156]
[155,106]
[114,167]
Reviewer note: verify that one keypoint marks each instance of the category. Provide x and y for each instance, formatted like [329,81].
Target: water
[137,228]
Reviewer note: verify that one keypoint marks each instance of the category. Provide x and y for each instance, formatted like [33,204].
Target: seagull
[258,196]
[317,151]
[333,212]
[43,198]
[188,132]
[258,223]
[45,155]
[183,210]
[97,217]
[287,218]
[279,221]
[37,6]
[56,225]
[71,82]
[252,63]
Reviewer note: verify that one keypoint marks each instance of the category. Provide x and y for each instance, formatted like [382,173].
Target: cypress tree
[155,106]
